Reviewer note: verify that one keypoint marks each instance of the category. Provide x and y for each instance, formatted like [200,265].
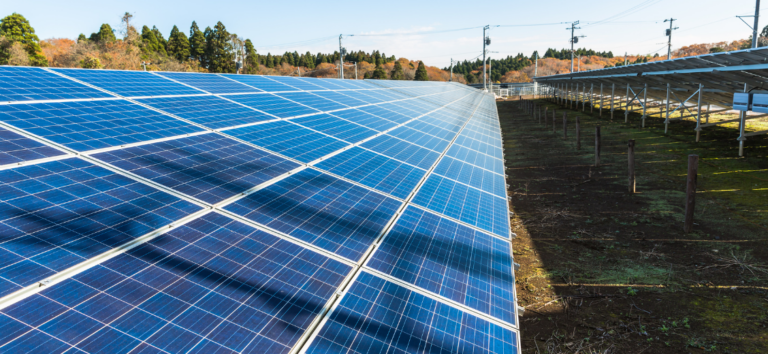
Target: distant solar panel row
[225,213]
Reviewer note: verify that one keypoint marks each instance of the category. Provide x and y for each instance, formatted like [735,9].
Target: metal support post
[742,125]
[602,99]
[613,90]
[626,106]
[583,97]
[591,98]
[698,114]
[645,103]
[666,121]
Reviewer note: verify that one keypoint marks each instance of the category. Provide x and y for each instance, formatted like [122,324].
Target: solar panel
[89,125]
[205,216]
[210,111]
[378,316]
[129,83]
[35,84]
[15,148]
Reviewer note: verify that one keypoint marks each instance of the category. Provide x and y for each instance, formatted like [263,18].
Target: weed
[631,292]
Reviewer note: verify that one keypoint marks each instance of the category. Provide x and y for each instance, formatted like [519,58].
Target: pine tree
[421,73]
[178,45]
[81,38]
[104,35]
[160,40]
[397,72]
[379,73]
[150,43]
[16,28]
[251,59]
[310,60]
[196,43]
[270,61]
[221,58]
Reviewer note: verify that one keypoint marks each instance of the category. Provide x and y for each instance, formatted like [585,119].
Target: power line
[416,32]
[641,6]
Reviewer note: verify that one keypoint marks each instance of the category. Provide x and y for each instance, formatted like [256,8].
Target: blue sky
[635,26]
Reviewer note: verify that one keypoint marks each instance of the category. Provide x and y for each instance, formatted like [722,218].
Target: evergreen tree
[397,72]
[310,61]
[178,45]
[251,59]
[16,28]
[421,73]
[104,35]
[150,43]
[159,36]
[221,58]
[379,73]
[81,38]
[196,43]
[270,61]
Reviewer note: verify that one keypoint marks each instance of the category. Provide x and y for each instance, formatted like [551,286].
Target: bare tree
[238,48]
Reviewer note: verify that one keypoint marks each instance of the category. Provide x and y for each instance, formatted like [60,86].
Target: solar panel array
[177,212]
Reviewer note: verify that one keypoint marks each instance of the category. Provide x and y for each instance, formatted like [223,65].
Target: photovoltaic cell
[338,128]
[209,83]
[359,95]
[472,175]
[416,137]
[90,125]
[289,139]
[210,167]
[210,111]
[260,82]
[452,260]
[129,83]
[325,211]
[28,84]
[303,84]
[377,316]
[15,148]
[476,158]
[366,119]
[57,214]
[341,98]
[375,171]
[465,203]
[403,151]
[273,105]
[386,114]
[312,100]
[212,285]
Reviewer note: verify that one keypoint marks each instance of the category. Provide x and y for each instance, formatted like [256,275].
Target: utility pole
[486,41]
[342,52]
[669,34]
[451,80]
[754,28]
[625,58]
[574,39]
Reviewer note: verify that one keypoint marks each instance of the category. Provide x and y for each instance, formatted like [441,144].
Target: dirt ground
[606,271]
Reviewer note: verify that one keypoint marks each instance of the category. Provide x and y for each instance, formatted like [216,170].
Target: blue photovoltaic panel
[452,260]
[403,115]
[130,83]
[31,84]
[289,139]
[465,203]
[340,98]
[377,316]
[303,84]
[336,127]
[210,111]
[210,167]
[424,127]
[15,148]
[472,175]
[312,100]
[419,106]
[416,137]
[211,286]
[479,146]
[210,83]
[329,84]
[272,104]
[60,213]
[386,114]
[366,119]
[403,151]
[261,82]
[360,95]
[375,171]
[89,125]
[476,158]
[320,209]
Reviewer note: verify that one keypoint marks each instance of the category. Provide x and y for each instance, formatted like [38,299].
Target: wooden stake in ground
[690,192]
[565,125]
[578,134]
[597,145]
[631,165]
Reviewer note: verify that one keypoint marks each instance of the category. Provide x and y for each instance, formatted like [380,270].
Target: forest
[216,50]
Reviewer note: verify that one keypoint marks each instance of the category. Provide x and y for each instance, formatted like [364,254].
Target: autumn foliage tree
[19,38]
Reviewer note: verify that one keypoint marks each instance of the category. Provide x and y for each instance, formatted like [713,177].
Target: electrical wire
[641,6]
[298,43]
[415,33]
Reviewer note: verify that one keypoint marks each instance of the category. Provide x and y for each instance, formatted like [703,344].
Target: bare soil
[606,271]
